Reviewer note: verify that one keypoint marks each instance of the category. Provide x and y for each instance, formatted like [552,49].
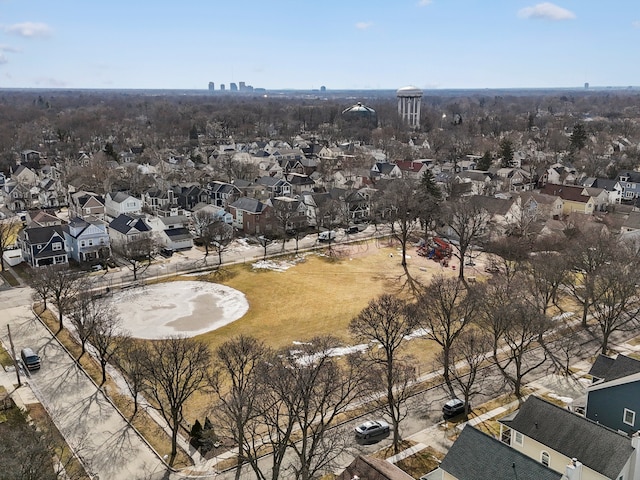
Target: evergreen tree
[578,138]
[195,436]
[485,162]
[506,153]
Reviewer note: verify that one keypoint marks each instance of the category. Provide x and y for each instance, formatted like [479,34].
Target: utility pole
[13,355]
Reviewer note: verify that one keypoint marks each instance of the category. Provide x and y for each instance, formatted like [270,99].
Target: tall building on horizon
[212,86]
[409,99]
[233,87]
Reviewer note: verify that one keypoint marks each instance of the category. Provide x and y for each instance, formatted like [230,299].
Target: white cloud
[29,29]
[364,25]
[636,24]
[8,48]
[424,3]
[546,11]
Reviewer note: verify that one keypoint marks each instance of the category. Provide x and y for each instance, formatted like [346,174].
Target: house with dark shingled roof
[613,399]
[477,456]
[570,443]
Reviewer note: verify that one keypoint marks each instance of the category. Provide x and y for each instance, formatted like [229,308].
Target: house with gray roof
[126,228]
[477,456]
[385,170]
[222,194]
[613,399]
[43,246]
[86,204]
[118,203]
[630,182]
[569,443]
[612,187]
[251,216]
[273,187]
[87,239]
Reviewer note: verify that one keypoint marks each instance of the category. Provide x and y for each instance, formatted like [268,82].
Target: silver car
[372,428]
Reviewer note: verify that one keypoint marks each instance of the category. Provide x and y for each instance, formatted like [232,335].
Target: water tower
[409,99]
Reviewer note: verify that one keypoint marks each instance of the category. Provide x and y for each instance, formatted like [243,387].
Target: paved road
[92,426]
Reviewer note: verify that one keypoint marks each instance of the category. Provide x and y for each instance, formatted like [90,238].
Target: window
[56,246]
[82,243]
[544,458]
[518,438]
[629,417]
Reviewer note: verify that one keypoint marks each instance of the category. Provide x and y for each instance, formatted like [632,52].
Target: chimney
[573,471]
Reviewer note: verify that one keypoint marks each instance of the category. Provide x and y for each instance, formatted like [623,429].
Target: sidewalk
[92,427]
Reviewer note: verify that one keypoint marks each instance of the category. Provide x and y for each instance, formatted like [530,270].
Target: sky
[305,44]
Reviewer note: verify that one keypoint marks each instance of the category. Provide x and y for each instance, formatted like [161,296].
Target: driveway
[92,426]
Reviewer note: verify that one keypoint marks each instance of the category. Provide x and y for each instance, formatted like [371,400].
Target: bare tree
[39,282]
[136,253]
[272,429]
[615,305]
[221,235]
[466,358]
[590,251]
[63,285]
[202,221]
[237,383]
[287,216]
[468,222]
[402,204]
[444,310]
[9,228]
[508,254]
[547,272]
[386,322]
[324,387]
[515,325]
[176,368]
[106,334]
[83,313]
[129,360]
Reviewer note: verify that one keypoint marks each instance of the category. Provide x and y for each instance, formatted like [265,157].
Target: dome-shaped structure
[409,91]
[360,112]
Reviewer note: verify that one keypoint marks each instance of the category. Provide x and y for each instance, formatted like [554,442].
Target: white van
[327,235]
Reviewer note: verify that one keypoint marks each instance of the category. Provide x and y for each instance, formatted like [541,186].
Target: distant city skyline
[286,44]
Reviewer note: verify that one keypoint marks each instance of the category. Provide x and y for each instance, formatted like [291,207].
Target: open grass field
[319,295]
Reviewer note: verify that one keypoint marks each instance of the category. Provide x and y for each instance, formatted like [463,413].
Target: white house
[121,203]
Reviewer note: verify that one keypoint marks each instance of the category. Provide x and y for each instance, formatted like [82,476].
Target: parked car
[327,235]
[351,229]
[30,359]
[372,428]
[166,252]
[452,408]
[97,267]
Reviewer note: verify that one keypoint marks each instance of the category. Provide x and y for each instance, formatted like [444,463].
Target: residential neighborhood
[504,240]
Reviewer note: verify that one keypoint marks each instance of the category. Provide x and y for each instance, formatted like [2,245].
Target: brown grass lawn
[318,296]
